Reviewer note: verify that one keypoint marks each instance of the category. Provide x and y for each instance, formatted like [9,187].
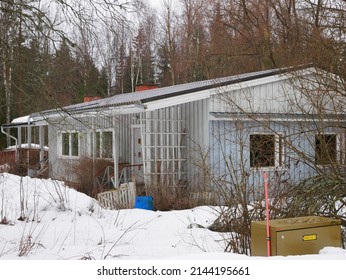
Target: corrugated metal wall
[197,125]
[62,167]
[185,141]
[230,154]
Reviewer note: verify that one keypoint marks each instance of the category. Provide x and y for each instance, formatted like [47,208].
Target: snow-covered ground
[44,220]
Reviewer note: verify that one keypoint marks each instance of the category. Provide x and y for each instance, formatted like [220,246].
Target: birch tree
[8,30]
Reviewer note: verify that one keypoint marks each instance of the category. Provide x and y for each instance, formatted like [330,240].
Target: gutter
[92,111]
[12,137]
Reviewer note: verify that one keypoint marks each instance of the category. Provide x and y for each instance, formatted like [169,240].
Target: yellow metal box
[295,236]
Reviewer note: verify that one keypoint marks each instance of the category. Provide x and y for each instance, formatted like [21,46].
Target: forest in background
[54,53]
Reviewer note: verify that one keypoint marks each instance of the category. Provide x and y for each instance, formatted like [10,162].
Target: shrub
[85,172]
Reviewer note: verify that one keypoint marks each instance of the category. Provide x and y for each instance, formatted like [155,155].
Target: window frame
[99,140]
[69,150]
[279,151]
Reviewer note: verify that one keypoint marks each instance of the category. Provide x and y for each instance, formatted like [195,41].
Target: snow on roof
[24,119]
[26,146]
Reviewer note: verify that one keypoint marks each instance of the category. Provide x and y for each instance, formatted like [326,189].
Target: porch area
[25,162]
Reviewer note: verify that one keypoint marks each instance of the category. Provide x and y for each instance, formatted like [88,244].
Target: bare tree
[49,23]
[297,136]
[193,37]
[167,45]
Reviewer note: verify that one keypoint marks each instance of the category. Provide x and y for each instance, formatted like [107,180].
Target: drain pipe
[268,237]
[12,137]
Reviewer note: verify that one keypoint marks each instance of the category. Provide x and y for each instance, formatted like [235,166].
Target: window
[104,144]
[69,144]
[265,150]
[325,149]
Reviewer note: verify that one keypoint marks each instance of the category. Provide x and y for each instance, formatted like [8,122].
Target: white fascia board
[267,80]
[120,110]
[177,100]
[253,83]
[123,110]
[204,94]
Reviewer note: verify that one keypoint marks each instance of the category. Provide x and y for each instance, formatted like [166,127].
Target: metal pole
[116,146]
[267,213]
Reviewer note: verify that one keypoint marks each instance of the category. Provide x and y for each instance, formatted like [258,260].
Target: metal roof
[165,92]
[140,98]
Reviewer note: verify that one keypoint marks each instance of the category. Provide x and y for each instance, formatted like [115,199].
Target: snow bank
[44,219]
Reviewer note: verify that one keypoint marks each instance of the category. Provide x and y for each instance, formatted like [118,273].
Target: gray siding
[230,153]
[63,167]
[269,97]
[197,124]
[188,139]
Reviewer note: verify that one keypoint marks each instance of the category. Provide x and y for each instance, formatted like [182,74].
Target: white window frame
[98,147]
[279,136]
[70,147]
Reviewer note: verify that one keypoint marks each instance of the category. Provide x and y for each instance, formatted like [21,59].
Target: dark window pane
[325,149]
[262,150]
[107,151]
[98,144]
[65,143]
[74,144]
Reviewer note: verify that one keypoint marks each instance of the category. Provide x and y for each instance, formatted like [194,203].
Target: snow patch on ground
[46,220]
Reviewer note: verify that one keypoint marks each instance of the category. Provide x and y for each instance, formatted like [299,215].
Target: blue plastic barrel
[144,202]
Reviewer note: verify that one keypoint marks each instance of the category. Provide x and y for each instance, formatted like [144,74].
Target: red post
[267,212]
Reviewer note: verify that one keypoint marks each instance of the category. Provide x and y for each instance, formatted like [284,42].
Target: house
[288,122]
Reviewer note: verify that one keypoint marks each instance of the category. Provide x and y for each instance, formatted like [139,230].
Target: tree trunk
[7,76]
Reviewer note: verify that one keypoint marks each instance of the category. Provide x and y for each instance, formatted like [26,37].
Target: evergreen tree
[64,77]
[143,58]
[220,52]
[122,64]
[167,47]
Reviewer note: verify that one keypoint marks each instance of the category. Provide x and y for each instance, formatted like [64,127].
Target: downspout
[115,152]
[29,147]
[15,140]
[93,150]
[41,140]
[29,133]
